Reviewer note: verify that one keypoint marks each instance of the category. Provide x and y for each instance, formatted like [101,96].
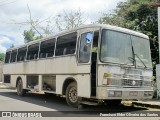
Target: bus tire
[71,95]
[113,102]
[20,90]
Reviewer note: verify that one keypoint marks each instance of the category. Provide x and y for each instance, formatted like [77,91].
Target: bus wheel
[71,95]
[20,90]
[113,102]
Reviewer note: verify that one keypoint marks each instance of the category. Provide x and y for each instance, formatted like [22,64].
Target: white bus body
[118,70]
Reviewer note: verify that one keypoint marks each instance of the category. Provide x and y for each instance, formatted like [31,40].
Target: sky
[13,12]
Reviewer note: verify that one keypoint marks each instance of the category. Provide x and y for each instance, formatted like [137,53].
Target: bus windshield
[116,47]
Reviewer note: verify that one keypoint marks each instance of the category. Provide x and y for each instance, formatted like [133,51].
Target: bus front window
[142,50]
[116,47]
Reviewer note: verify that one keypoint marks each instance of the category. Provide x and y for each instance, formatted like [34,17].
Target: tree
[41,28]
[69,20]
[29,35]
[2,56]
[12,46]
[137,15]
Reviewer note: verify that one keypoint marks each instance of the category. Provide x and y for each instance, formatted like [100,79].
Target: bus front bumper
[124,93]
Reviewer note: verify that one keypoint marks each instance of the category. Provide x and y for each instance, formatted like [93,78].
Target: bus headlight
[112,79]
[106,81]
[107,78]
[115,93]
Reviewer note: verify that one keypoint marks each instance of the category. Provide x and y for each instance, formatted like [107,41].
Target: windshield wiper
[133,59]
[133,53]
[141,60]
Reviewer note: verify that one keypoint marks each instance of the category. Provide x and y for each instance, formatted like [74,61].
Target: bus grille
[128,82]
[147,83]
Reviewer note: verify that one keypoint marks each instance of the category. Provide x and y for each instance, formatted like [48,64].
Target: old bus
[99,63]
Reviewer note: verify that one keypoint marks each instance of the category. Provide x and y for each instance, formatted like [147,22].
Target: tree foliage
[137,15]
[29,35]
[2,56]
[12,46]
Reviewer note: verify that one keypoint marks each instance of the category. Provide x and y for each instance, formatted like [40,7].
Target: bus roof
[102,26]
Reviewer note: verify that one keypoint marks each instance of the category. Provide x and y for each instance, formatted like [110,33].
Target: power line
[8,2]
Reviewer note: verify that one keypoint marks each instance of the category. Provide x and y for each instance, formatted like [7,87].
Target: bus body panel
[83,84]
[62,67]
[127,93]
[59,65]
[14,80]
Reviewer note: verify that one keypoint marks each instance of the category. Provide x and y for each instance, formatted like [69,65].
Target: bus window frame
[54,38]
[18,53]
[75,45]
[79,43]
[9,57]
[15,57]
[27,52]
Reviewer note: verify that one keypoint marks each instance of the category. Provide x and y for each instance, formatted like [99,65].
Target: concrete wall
[1,64]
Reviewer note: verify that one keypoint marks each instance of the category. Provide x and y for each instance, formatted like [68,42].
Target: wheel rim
[73,95]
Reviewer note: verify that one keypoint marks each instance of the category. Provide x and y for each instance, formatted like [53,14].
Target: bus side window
[47,48]
[85,47]
[21,54]
[33,51]
[7,58]
[65,44]
[13,56]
